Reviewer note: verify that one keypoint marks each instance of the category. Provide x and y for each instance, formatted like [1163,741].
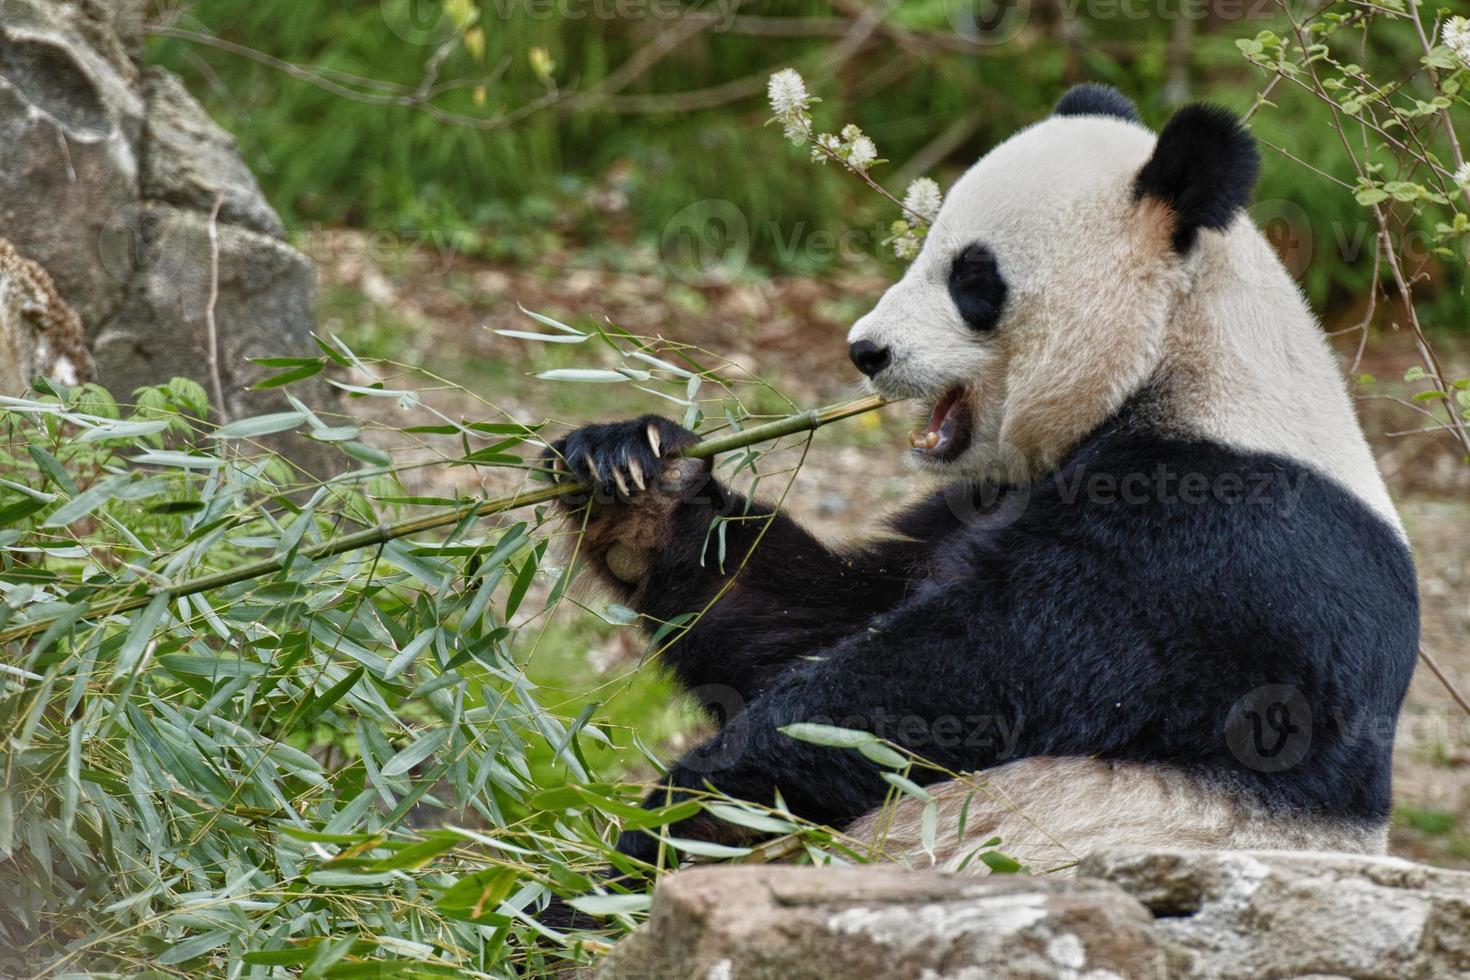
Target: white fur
[1049,813]
[1098,303]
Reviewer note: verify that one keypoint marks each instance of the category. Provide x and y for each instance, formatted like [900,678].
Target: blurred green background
[618,132]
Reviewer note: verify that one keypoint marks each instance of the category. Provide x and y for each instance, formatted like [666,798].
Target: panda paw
[622,459]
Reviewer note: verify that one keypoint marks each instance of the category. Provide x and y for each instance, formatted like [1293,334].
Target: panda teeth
[925,442]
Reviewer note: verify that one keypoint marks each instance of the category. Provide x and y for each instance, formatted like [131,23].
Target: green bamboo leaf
[547,321]
[416,752]
[260,425]
[7,822]
[298,373]
[417,855]
[71,785]
[53,469]
[546,338]
[85,502]
[123,430]
[477,895]
[828,735]
[907,786]
[195,665]
[408,654]
[187,461]
[1002,864]
[611,904]
[740,816]
[140,631]
[882,754]
[367,454]
[190,948]
[328,953]
[594,375]
[704,848]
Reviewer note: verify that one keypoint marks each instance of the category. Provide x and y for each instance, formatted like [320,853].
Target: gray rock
[39,333]
[69,125]
[114,29]
[787,923]
[190,162]
[266,297]
[1293,913]
[108,173]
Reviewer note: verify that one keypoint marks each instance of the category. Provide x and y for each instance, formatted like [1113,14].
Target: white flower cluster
[790,102]
[1456,37]
[855,150]
[1462,175]
[851,147]
[923,199]
[920,204]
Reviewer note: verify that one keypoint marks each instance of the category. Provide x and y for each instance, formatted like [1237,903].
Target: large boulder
[192,163]
[70,123]
[786,923]
[1245,914]
[39,334]
[161,330]
[109,174]
[1126,915]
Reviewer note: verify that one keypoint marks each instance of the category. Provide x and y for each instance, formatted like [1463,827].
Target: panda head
[1042,296]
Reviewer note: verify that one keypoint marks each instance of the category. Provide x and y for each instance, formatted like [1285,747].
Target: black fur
[1113,609]
[977,287]
[1092,99]
[1203,168]
[594,453]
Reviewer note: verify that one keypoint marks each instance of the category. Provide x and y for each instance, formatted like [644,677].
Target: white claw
[636,472]
[618,479]
[653,439]
[592,467]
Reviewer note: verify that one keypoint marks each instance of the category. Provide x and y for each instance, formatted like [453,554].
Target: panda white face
[1040,299]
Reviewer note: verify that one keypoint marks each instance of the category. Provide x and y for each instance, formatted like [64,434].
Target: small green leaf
[828,735]
[907,786]
[416,752]
[260,425]
[611,904]
[704,848]
[882,754]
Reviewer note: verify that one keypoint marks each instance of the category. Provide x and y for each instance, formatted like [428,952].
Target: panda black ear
[1203,169]
[1092,99]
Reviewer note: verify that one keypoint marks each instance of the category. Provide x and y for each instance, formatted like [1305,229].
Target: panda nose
[869,357]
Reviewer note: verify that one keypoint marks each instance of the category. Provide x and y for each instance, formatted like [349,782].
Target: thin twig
[211,327]
[1434,667]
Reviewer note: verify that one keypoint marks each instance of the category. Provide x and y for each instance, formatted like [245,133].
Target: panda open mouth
[948,432]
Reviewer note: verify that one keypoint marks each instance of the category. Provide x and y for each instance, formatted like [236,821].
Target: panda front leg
[931,666]
[651,538]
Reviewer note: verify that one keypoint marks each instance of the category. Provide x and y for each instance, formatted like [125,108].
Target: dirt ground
[438,311]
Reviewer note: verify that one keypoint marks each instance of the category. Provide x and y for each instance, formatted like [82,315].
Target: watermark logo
[1287,227]
[726,707]
[1270,729]
[706,243]
[988,22]
[429,23]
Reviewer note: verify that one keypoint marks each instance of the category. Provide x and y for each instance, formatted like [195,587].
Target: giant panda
[1158,593]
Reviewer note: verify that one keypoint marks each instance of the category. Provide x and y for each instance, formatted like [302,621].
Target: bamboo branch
[808,421]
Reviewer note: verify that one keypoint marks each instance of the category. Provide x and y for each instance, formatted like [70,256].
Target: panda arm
[751,587]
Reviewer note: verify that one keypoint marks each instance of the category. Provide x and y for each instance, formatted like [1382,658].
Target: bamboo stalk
[808,421]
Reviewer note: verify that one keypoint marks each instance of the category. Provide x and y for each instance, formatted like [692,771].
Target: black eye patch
[976,286]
